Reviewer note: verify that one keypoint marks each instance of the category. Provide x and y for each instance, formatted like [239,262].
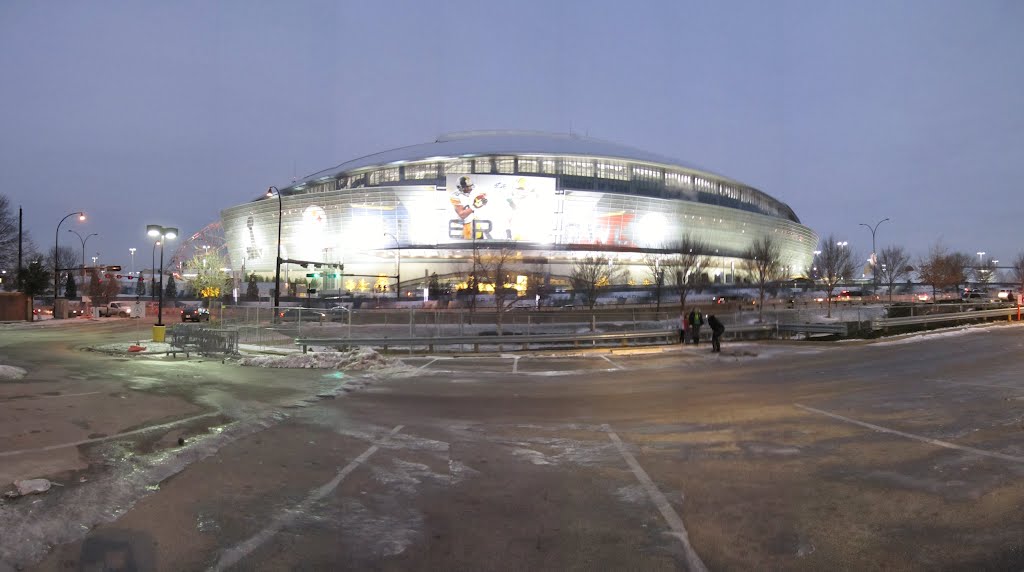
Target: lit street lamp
[165,234]
[56,245]
[132,250]
[398,269]
[277,263]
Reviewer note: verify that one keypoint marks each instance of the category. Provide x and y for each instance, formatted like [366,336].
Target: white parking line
[428,363]
[617,366]
[231,556]
[921,438]
[108,437]
[693,561]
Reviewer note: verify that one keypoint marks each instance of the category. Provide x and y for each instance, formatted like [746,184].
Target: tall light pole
[83,240]
[56,245]
[152,273]
[165,233]
[132,251]
[398,270]
[277,263]
[874,259]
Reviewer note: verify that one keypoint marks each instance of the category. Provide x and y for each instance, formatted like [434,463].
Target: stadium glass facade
[425,209]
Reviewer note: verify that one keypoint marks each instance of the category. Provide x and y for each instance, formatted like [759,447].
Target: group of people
[690,324]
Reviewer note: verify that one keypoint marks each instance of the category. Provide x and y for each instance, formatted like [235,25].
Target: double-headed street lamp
[165,233]
[277,263]
[398,269]
[83,240]
[152,272]
[874,259]
[56,246]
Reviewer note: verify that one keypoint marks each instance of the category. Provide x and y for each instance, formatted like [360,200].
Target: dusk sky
[850,112]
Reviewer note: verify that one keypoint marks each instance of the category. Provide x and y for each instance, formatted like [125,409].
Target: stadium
[422,211]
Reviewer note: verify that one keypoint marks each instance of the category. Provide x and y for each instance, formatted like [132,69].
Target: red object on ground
[136,348]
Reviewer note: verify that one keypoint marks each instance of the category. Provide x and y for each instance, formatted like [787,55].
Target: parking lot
[904,453]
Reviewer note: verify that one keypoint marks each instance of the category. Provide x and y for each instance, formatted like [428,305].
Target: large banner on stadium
[499,207]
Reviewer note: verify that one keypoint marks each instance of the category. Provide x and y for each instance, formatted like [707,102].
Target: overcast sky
[166,112]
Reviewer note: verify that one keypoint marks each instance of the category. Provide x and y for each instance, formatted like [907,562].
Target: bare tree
[591,275]
[835,264]
[942,269]
[67,260]
[686,266]
[1018,270]
[763,263]
[8,236]
[502,267]
[210,280]
[985,273]
[895,266]
[656,267]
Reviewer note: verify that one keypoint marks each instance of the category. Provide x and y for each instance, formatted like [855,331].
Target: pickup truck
[123,309]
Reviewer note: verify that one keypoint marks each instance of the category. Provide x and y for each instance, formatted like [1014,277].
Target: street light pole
[132,251]
[152,272]
[271,191]
[56,245]
[83,240]
[165,234]
[874,259]
[398,270]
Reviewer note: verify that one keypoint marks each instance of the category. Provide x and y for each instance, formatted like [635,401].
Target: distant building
[555,198]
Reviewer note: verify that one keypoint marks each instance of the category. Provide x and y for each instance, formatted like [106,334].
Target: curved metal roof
[476,143]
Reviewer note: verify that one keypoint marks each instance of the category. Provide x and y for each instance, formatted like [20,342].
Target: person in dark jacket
[716,333]
[696,320]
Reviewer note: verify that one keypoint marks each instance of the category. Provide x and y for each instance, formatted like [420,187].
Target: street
[901,454]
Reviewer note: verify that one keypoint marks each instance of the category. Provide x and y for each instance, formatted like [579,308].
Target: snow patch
[360,359]
[11,372]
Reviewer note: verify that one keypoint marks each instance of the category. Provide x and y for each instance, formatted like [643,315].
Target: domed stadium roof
[477,143]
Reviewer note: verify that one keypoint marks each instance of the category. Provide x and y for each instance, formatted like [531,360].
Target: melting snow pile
[362,359]
[11,372]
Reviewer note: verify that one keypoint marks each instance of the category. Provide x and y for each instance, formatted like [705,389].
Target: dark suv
[195,314]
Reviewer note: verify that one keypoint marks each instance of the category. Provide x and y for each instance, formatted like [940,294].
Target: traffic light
[312,275]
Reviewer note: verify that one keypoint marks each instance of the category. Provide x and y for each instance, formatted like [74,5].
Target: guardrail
[839,328]
[523,340]
[883,323]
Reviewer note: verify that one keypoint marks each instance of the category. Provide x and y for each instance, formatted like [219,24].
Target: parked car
[337,314]
[195,314]
[1007,295]
[302,315]
[122,309]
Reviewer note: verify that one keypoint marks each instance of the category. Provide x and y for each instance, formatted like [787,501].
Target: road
[799,456]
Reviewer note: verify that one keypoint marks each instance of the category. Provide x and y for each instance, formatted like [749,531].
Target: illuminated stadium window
[482,165]
[578,167]
[527,165]
[612,170]
[547,166]
[421,171]
[384,176]
[679,180]
[460,166]
[646,174]
[505,164]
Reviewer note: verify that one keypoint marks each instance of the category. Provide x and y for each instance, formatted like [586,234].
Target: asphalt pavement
[895,454]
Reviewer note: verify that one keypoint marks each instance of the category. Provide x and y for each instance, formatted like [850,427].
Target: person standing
[717,329]
[696,320]
[683,318]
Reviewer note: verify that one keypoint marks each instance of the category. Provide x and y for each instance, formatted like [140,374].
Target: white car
[123,309]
